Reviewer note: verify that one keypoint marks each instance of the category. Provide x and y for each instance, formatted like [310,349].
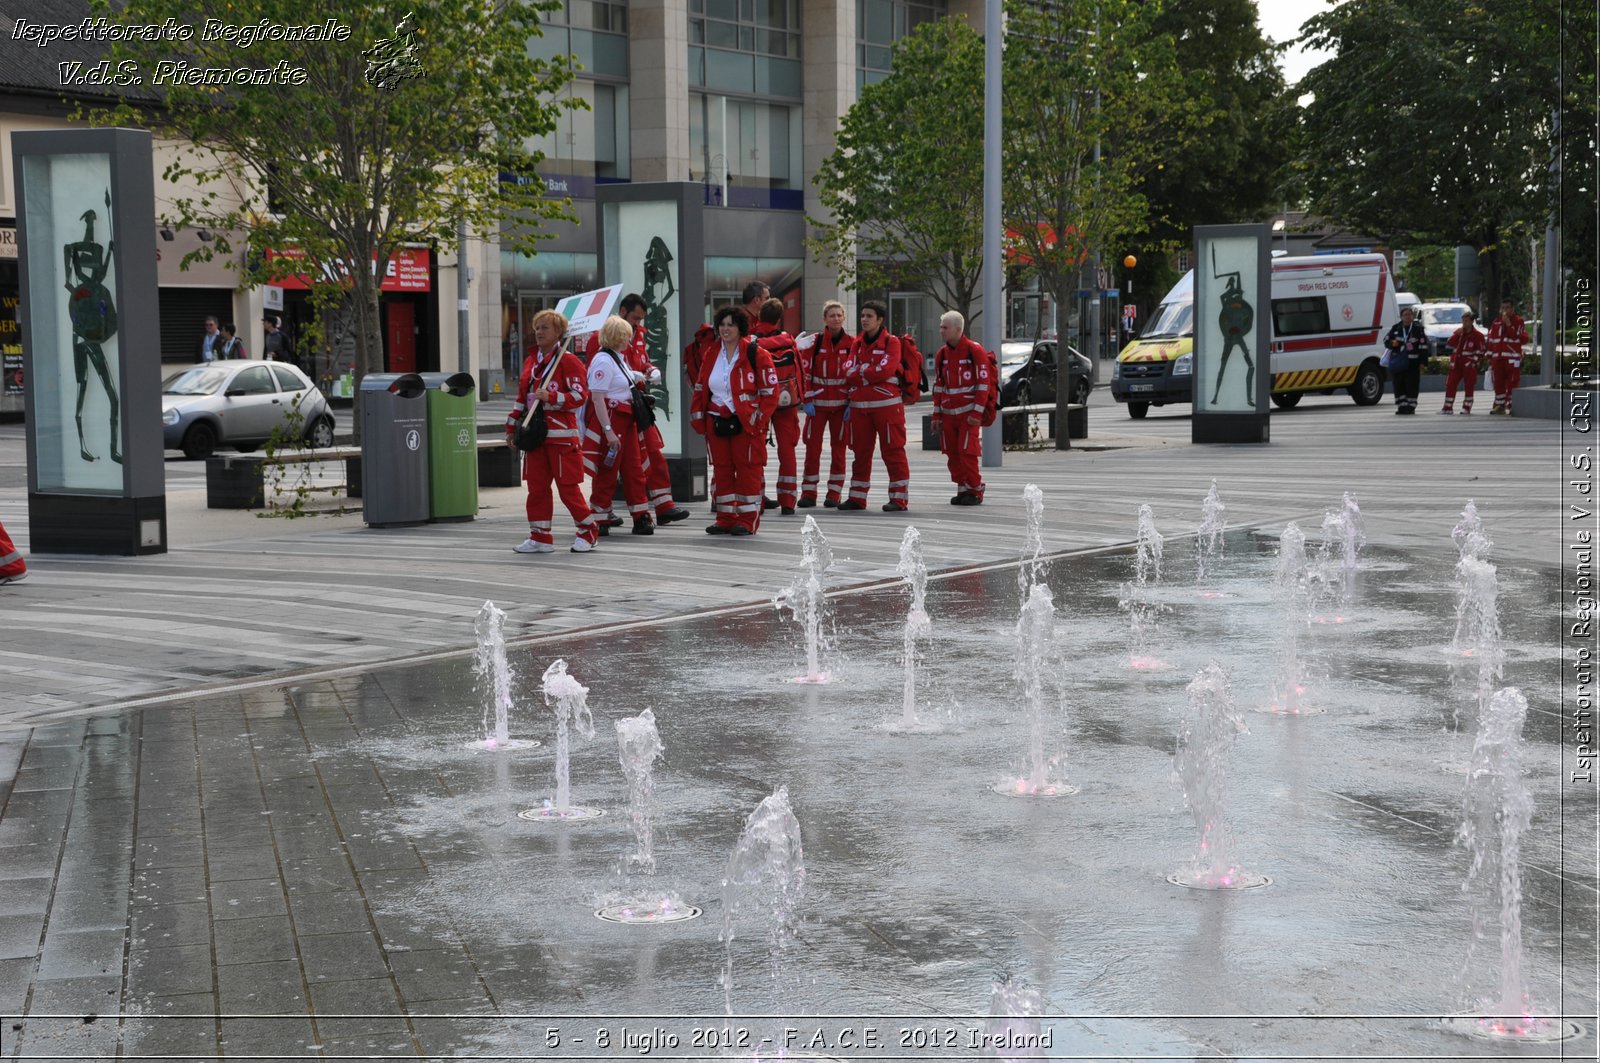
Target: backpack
[705,338]
[991,402]
[910,370]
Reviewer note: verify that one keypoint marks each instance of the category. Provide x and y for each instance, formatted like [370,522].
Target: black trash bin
[394,449]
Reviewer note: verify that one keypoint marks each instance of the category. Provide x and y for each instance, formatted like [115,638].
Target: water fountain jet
[570,701]
[1206,734]
[493,672]
[1035,646]
[804,598]
[768,867]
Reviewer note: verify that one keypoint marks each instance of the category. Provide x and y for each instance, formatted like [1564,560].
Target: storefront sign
[407,270]
[8,242]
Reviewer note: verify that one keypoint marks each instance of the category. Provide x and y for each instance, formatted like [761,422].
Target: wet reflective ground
[330,870]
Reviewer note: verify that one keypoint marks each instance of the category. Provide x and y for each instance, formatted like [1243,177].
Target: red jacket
[961,378]
[635,357]
[872,372]
[1505,341]
[700,347]
[825,369]
[755,392]
[786,362]
[572,392]
[1468,343]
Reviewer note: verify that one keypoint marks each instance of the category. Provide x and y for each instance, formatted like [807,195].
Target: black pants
[1406,382]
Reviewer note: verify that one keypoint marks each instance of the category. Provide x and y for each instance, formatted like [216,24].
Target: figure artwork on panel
[657,273]
[94,320]
[1235,320]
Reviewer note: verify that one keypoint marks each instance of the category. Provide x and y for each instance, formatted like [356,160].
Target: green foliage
[904,184]
[1430,272]
[288,480]
[355,169]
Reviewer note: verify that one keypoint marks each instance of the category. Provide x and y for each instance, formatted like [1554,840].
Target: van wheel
[1137,410]
[1368,388]
[1286,401]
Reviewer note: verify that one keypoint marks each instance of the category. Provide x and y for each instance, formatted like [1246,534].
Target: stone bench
[1015,422]
[238,481]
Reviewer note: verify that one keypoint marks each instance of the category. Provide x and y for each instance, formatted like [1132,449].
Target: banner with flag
[586,312]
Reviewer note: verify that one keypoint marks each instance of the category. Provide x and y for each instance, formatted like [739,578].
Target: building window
[758,144]
[879,23]
[745,46]
[588,143]
[594,31]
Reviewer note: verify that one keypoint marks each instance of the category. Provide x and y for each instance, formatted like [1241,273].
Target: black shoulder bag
[644,414]
[534,428]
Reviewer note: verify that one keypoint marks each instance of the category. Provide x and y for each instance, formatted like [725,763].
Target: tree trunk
[368,333]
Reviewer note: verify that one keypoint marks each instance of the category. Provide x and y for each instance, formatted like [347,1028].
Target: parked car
[240,404]
[1440,321]
[1028,372]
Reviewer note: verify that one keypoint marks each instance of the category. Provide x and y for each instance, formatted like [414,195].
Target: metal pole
[993,265]
[1549,366]
[463,331]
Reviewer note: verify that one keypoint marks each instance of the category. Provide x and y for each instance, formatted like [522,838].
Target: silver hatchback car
[240,404]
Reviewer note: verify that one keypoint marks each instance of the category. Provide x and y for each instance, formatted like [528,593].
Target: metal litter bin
[452,446]
[394,450]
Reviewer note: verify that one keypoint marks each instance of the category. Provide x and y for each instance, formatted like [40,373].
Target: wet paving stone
[259,1036]
[82,953]
[342,957]
[19,936]
[328,913]
[254,940]
[247,899]
[256,862]
[272,988]
[167,972]
[24,896]
[165,925]
[178,1026]
[168,885]
[438,974]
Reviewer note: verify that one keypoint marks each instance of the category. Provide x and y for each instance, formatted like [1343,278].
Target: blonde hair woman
[552,380]
[611,437]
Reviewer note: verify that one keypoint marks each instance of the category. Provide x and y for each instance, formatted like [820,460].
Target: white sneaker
[18,578]
[531,546]
[580,545]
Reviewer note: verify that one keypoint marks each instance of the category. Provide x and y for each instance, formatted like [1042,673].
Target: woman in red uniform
[553,378]
[611,437]
[733,403]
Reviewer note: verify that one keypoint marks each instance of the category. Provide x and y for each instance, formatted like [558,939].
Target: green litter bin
[452,446]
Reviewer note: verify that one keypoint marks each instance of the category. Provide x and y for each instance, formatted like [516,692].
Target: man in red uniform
[877,411]
[786,363]
[737,391]
[13,569]
[1467,348]
[1507,335]
[554,378]
[961,387]
[824,406]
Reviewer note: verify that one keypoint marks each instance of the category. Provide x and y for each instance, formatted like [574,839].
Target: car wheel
[321,434]
[1080,392]
[1368,388]
[1137,410]
[246,448]
[1024,395]
[200,441]
[1287,401]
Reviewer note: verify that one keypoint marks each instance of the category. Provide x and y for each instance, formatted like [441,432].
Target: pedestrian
[963,393]
[1406,343]
[877,412]
[13,569]
[208,343]
[552,384]
[754,297]
[824,406]
[1468,351]
[770,335]
[733,402]
[1506,338]
[652,448]
[231,346]
[275,348]
[611,435]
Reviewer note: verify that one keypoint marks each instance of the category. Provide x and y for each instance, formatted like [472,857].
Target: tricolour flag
[587,311]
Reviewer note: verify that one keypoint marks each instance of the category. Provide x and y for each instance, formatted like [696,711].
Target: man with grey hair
[965,398]
[209,342]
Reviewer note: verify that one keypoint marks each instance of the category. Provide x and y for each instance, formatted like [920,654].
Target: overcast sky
[1280,21]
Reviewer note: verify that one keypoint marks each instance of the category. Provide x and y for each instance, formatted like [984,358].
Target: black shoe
[787,511]
[644,527]
[717,529]
[956,499]
[738,529]
[602,528]
[768,503]
[830,503]
[807,503]
[613,521]
[676,513]
[969,500]
[849,504]
[893,507]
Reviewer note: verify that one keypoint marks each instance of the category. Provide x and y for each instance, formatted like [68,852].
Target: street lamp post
[993,265]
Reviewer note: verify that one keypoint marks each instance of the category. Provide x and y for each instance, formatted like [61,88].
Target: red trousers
[11,562]
[629,462]
[1506,379]
[870,427]
[738,473]
[829,419]
[657,475]
[561,468]
[962,444]
[786,429]
[1462,371]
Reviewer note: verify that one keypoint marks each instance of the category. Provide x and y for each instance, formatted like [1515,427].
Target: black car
[1028,373]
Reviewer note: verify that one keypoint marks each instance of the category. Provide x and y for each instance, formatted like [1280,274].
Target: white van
[1329,314]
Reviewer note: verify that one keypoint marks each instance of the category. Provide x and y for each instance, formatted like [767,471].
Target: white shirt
[722,377]
[609,380]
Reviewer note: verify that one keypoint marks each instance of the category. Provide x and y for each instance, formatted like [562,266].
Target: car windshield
[198,381]
[1170,320]
[1015,354]
[1442,315]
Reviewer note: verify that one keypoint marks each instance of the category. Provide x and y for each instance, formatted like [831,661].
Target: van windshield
[1170,320]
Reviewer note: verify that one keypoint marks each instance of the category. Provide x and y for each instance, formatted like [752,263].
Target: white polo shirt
[722,377]
[609,380]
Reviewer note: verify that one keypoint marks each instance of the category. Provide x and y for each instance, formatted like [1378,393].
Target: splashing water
[1208,541]
[494,674]
[804,598]
[918,626]
[1469,534]
[1330,580]
[1035,648]
[765,880]
[1142,609]
[1206,734]
[1496,813]
[570,700]
[1355,533]
[1292,579]
[1032,568]
[638,746]
[1479,658]
[1013,1032]
[1147,549]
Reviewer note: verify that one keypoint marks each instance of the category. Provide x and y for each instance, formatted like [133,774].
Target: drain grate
[550,815]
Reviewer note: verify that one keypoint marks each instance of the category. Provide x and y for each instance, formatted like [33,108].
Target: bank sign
[407,270]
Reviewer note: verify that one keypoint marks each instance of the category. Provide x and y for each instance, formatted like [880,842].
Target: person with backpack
[877,414]
[966,397]
[824,405]
[772,338]
[733,402]
[552,390]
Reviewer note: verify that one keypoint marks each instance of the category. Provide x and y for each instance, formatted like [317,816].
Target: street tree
[404,121]
[1426,127]
[903,187]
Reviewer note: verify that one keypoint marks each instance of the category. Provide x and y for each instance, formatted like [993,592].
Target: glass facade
[589,143]
[757,142]
[879,23]
[595,31]
[745,46]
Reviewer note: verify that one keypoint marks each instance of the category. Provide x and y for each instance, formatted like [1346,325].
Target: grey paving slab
[177,970]
[25,896]
[247,899]
[82,953]
[270,988]
[178,1026]
[19,936]
[156,926]
[342,957]
[436,975]
[260,940]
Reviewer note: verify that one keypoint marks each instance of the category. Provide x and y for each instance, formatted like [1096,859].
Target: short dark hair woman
[733,402]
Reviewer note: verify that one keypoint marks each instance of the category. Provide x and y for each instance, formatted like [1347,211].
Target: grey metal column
[993,263]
